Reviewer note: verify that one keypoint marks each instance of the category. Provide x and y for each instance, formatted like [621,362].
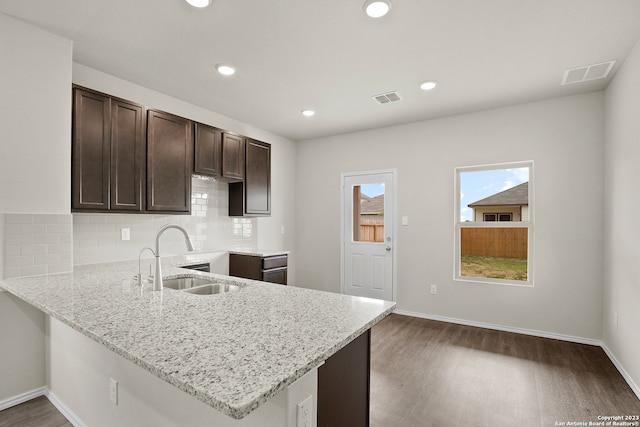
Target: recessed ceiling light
[428,85]
[308,113]
[377,8]
[199,3]
[225,70]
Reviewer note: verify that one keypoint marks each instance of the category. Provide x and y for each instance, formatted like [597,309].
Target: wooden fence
[495,242]
[371,231]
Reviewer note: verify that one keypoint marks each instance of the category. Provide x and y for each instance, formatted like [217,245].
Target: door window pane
[368,213]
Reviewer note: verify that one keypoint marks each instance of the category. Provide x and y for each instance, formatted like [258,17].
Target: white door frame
[394,226]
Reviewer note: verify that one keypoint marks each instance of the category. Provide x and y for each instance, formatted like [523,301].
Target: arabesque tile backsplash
[46,243]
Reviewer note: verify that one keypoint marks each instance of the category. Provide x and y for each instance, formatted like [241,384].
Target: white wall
[622,206]
[79,376]
[36,120]
[564,138]
[35,160]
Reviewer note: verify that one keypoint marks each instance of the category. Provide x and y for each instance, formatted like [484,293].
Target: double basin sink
[199,286]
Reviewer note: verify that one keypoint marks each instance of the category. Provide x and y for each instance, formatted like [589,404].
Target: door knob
[388,248]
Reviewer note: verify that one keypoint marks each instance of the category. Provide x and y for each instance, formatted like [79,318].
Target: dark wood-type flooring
[428,373]
[38,412]
[434,374]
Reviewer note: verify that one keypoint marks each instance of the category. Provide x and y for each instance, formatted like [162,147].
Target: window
[497,217]
[494,223]
[368,213]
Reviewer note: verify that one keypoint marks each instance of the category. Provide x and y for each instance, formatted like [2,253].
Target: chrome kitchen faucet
[157,277]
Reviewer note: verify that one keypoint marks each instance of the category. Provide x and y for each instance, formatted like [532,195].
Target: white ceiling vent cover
[588,72]
[386,98]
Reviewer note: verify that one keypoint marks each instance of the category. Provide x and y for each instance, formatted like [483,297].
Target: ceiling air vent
[386,98]
[588,72]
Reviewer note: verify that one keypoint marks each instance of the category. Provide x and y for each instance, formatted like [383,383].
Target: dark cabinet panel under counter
[267,268]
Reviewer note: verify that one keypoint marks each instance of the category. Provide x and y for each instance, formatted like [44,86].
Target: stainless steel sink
[182,283]
[212,289]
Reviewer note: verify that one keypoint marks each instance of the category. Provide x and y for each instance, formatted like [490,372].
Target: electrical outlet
[434,289]
[305,413]
[113,390]
[125,233]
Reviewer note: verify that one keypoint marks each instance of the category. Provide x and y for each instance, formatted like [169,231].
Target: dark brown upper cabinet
[252,197]
[208,150]
[233,156]
[169,162]
[107,153]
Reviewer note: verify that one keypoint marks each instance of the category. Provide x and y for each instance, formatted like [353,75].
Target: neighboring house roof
[372,205]
[515,196]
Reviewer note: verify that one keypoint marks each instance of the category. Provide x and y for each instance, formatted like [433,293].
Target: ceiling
[327,55]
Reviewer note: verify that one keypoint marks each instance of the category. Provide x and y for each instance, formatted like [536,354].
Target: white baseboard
[561,337]
[68,414]
[21,398]
[523,331]
[622,371]
[42,391]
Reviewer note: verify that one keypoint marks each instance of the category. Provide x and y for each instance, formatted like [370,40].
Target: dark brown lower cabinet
[343,385]
[268,269]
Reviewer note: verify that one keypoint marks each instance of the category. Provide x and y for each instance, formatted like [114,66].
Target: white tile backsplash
[97,237]
[36,244]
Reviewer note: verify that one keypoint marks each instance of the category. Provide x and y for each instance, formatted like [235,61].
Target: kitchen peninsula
[251,355]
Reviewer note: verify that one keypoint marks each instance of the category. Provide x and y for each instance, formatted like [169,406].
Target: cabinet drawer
[278,275]
[274,262]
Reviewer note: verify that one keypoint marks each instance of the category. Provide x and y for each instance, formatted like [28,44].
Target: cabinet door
[208,150]
[232,156]
[90,151]
[127,155]
[169,162]
[257,181]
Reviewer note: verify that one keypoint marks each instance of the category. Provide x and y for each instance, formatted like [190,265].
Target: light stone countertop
[231,351]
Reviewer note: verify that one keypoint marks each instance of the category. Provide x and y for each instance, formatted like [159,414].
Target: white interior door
[368,234]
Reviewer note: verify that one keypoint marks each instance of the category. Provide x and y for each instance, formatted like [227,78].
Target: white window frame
[458,225]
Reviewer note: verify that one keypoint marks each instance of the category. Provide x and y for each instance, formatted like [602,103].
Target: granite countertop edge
[236,411]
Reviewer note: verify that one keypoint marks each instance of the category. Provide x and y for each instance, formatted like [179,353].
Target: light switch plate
[125,233]
[405,220]
[113,391]
[305,413]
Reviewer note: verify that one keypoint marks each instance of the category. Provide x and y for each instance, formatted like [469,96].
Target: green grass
[493,267]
